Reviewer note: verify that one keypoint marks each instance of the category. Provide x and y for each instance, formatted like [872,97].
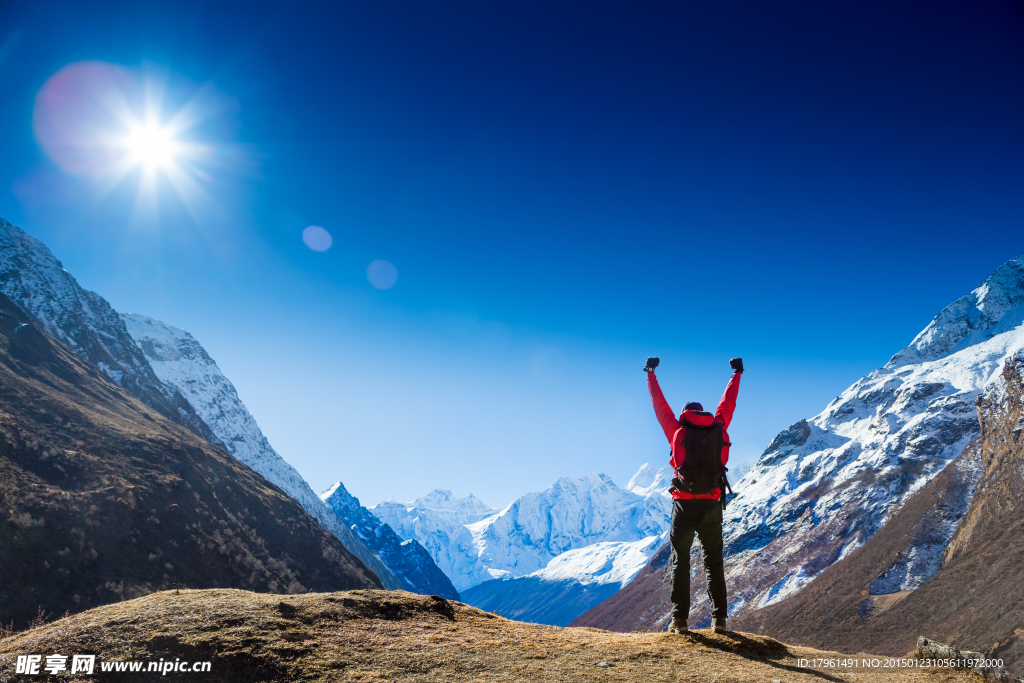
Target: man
[698,492]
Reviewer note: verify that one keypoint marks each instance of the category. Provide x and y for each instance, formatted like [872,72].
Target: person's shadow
[754,650]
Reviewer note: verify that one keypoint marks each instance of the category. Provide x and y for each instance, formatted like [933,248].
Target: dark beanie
[693,405]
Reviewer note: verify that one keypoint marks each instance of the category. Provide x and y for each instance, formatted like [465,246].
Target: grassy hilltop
[370,635]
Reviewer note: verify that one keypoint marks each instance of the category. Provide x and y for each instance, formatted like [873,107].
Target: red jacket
[674,430]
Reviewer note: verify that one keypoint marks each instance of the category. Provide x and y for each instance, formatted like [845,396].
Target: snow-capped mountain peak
[462,510]
[408,560]
[993,307]
[650,479]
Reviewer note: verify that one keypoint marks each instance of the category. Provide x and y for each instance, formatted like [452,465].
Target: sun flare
[112,124]
[152,147]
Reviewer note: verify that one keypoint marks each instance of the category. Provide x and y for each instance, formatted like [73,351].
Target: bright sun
[114,125]
[152,147]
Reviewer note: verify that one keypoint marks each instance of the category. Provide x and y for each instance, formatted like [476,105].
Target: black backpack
[702,470]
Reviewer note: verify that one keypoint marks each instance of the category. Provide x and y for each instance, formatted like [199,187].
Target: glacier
[610,562]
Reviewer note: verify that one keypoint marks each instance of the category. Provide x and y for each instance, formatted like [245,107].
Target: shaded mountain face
[975,597]
[826,485]
[37,282]
[536,600]
[184,366]
[102,498]
[408,560]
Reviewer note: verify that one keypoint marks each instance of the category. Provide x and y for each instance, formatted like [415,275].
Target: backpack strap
[725,485]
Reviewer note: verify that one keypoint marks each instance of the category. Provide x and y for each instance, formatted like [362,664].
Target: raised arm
[727,405]
[666,418]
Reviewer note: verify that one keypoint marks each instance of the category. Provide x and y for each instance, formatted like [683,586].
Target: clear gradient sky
[563,189]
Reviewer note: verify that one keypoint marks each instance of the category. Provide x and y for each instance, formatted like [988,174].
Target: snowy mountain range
[822,488]
[575,536]
[168,370]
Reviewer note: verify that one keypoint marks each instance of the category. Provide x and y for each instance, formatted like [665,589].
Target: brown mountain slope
[102,499]
[975,601]
[398,636]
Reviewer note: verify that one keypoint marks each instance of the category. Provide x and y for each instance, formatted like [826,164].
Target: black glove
[651,364]
[736,364]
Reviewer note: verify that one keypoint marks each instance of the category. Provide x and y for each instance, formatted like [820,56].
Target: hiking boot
[678,625]
[718,625]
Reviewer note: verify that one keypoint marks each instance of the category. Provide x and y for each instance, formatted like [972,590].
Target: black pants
[704,518]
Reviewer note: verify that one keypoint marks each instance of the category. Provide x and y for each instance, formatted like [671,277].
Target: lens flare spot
[316,238]
[381,274]
[79,116]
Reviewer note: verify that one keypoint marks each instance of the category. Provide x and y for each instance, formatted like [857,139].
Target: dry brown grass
[396,636]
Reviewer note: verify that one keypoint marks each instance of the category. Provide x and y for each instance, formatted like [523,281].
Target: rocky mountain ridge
[182,364]
[827,485]
[37,282]
[408,560]
[973,598]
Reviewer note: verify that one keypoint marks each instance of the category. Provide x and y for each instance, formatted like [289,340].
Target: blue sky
[562,188]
